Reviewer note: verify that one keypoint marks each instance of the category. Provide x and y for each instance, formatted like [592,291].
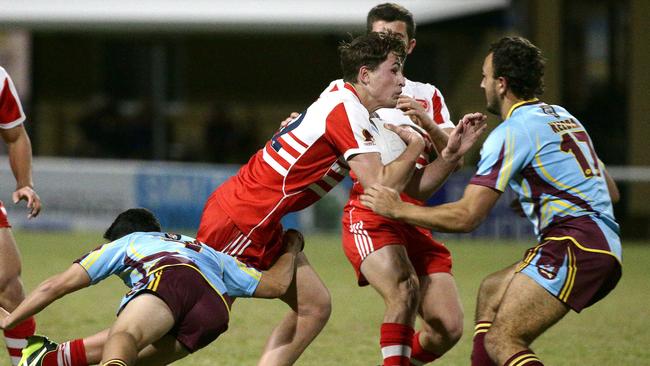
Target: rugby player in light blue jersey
[181,290]
[546,156]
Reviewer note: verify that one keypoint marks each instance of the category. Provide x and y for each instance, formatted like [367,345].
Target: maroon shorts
[4,220]
[365,232]
[575,262]
[218,231]
[200,313]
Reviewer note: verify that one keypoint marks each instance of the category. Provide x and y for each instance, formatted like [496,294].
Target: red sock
[395,344]
[72,353]
[420,356]
[479,354]
[16,339]
[524,358]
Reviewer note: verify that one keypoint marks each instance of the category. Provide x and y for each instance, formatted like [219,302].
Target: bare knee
[443,331]
[404,298]
[317,306]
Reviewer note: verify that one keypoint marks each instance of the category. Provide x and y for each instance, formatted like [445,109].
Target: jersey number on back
[569,144]
[275,144]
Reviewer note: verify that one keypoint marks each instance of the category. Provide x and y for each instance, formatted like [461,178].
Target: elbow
[468,223]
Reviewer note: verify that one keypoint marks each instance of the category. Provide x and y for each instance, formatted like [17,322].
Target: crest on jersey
[424,103]
[368,139]
[547,271]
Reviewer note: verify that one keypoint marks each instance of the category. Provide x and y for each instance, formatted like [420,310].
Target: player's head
[374,62]
[513,65]
[131,221]
[393,17]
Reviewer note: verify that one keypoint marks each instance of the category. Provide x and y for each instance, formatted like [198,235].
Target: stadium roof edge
[218,15]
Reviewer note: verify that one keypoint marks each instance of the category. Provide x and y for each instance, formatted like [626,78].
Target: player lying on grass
[181,290]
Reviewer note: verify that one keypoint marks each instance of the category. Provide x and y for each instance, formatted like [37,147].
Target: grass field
[613,332]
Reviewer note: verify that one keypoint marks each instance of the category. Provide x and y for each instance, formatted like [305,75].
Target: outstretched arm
[277,279]
[19,149]
[55,287]
[462,216]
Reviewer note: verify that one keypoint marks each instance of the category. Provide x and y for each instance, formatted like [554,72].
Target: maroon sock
[524,358]
[479,354]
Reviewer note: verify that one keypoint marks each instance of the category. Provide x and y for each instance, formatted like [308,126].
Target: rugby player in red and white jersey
[370,241]
[306,159]
[19,149]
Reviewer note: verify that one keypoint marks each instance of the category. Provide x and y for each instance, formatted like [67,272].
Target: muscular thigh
[307,288]
[9,255]
[387,268]
[527,310]
[440,303]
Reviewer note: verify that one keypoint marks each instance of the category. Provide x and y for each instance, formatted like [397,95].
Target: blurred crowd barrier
[87,194]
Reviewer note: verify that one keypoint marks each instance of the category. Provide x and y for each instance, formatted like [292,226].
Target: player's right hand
[33,200]
[406,133]
[288,120]
[294,241]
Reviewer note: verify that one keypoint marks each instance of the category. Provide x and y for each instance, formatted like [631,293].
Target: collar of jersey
[349,87]
[522,103]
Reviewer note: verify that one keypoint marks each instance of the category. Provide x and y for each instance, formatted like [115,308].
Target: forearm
[428,180]
[398,173]
[446,218]
[276,280]
[38,300]
[439,138]
[20,159]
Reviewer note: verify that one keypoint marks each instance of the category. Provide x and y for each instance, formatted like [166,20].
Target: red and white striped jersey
[11,111]
[300,164]
[428,95]
[391,146]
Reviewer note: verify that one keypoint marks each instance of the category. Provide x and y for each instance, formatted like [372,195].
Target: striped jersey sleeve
[11,111]
[506,151]
[106,260]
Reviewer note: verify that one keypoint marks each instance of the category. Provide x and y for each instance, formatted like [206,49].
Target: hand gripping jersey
[11,111]
[299,165]
[547,157]
[136,257]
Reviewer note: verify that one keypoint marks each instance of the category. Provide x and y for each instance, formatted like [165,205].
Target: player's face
[386,81]
[398,27]
[489,84]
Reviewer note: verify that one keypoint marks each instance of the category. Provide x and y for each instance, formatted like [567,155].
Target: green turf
[613,332]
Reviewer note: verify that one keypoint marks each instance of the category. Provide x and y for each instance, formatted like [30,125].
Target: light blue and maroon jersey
[136,257]
[546,156]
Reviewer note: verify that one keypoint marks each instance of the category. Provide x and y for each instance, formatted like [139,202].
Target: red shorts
[4,220]
[220,232]
[365,232]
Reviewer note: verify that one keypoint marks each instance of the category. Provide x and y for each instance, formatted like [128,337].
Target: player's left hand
[383,200]
[464,136]
[406,133]
[33,200]
[415,111]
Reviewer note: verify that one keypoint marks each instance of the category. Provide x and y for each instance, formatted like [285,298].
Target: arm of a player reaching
[369,169]
[55,287]
[276,280]
[462,216]
[428,180]
[614,193]
[19,149]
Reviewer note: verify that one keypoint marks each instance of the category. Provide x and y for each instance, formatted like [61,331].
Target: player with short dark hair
[370,240]
[180,297]
[546,156]
[19,148]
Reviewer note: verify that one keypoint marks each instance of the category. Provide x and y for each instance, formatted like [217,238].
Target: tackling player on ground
[546,156]
[19,148]
[180,297]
